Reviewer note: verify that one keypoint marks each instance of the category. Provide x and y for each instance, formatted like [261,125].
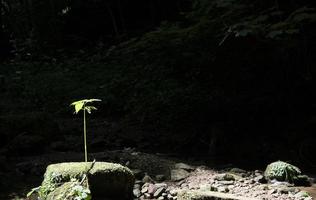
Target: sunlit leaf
[78,107]
[91,100]
[90,108]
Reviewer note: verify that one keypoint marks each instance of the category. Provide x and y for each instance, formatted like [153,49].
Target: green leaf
[90,108]
[79,105]
[91,100]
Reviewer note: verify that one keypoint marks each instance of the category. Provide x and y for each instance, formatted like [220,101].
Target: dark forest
[173,92]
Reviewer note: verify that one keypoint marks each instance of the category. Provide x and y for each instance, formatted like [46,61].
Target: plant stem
[85,135]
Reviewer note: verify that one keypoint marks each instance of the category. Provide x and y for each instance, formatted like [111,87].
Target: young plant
[82,105]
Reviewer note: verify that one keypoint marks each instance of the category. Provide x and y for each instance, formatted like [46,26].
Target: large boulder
[282,171]
[106,180]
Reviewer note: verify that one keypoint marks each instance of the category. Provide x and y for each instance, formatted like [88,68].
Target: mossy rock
[105,179]
[282,171]
[61,192]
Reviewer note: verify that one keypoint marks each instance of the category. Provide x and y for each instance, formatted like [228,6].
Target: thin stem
[85,135]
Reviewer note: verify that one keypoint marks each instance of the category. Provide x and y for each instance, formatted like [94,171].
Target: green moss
[282,171]
[105,179]
[69,191]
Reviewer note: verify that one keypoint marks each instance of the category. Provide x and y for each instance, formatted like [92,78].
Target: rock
[205,187]
[263,187]
[159,185]
[226,182]
[249,181]
[260,179]
[202,195]
[151,189]
[272,191]
[173,192]
[223,189]
[302,195]
[184,166]
[281,171]
[144,189]
[286,190]
[136,185]
[178,174]
[136,192]
[105,179]
[302,180]
[159,192]
[224,177]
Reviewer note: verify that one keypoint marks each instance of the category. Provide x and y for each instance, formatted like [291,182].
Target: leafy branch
[82,105]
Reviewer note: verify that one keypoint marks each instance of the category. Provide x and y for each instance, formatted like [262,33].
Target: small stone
[144,190]
[285,190]
[151,189]
[302,194]
[158,192]
[223,189]
[272,191]
[173,192]
[260,179]
[263,187]
[178,174]
[250,181]
[137,192]
[161,198]
[226,182]
[159,185]
[205,187]
[214,188]
[224,177]
[147,196]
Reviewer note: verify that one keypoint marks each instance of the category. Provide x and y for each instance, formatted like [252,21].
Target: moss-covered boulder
[106,180]
[282,171]
[69,191]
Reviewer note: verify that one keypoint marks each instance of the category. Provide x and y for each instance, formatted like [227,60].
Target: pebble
[137,193]
[159,192]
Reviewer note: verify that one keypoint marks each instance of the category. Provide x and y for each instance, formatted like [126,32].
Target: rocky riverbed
[157,177]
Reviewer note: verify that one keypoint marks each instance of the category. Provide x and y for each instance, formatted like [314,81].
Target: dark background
[231,79]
